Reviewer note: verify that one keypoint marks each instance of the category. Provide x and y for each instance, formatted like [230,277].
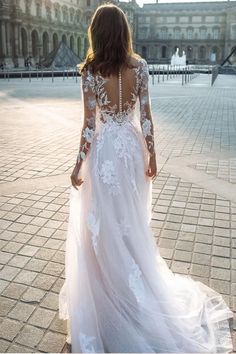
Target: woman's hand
[75,181]
[152,168]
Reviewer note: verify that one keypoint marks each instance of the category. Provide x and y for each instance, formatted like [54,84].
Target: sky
[141,2]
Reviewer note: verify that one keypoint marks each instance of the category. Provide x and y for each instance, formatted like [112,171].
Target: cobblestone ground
[194,194]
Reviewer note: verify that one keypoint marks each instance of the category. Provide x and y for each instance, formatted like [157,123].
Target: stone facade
[205,31]
[33,28]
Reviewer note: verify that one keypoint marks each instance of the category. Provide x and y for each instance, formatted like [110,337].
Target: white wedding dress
[119,294]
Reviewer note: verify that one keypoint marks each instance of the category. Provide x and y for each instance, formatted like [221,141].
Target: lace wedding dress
[119,294]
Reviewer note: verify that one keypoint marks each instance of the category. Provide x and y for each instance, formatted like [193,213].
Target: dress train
[119,294]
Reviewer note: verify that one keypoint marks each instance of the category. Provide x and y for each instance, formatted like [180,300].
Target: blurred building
[206,31]
[33,28]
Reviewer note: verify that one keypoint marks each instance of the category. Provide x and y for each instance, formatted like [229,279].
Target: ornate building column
[82,48]
[6,42]
[227,33]
[40,47]
[29,38]
[195,53]
[20,42]
[3,39]
[17,45]
[208,54]
[50,42]
[9,39]
[16,39]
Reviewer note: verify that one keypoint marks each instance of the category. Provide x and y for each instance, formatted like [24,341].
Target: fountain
[177,60]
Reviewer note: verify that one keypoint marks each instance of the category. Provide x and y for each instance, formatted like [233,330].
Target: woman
[119,294]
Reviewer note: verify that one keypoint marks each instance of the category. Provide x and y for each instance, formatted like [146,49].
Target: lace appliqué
[93,226]
[124,146]
[146,127]
[109,112]
[123,228]
[96,98]
[90,103]
[88,82]
[101,93]
[136,282]
[86,343]
[88,134]
[145,112]
[108,176]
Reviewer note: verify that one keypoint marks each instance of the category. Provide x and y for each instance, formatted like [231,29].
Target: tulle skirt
[119,294]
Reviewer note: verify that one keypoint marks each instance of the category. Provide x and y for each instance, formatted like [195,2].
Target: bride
[119,294]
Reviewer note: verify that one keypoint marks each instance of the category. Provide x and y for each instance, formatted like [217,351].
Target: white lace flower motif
[86,343]
[81,155]
[93,226]
[124,227]
[135,282]
[146,127]
[88,134]
[88,82]
[108,176]
[144,99]
[107,172]
[91,103]
[125,146]
[120,146]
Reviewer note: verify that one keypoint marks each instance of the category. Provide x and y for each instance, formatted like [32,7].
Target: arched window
[88,19]
[64,39]
[45,44]
[77,16]
[28,7]
[79,47]
[177,33]
[144,52]
[55,40]
[72,43]
[233,32]
[24,41]
[214,56]
[71,16]
[203,33]
[189,52]
[35,43]
[163,51]
[190,33]
[57,14]
[202,52]
[85,46]
[38,10]
[65,15]
[164,33]
[216,33]
[48,12]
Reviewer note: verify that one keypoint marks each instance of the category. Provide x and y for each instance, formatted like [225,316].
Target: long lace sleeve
[89,102]
[145,108]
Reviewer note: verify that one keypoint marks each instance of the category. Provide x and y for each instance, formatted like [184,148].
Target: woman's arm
[146,118]
[145,108]
[89,124]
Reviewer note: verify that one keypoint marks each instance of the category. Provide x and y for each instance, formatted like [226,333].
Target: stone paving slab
[194,204]
[223,169]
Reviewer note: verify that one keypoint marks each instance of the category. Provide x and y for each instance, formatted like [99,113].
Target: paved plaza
[194,194]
